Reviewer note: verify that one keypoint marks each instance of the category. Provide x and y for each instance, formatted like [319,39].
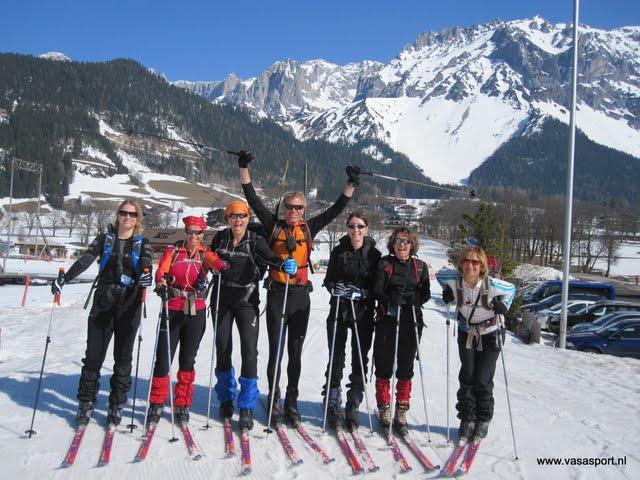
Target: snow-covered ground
[565,404]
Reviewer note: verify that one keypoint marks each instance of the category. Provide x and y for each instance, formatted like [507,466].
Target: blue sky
[207,40]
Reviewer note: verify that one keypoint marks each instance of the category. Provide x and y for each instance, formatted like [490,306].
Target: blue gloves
[145,280]
[201,285]
[348,292]
[289,266]
[56,286]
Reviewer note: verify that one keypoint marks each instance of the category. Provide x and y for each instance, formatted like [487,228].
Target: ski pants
[116,313]
[186,330]
[246,317]
[384,344]
[365,328]
[475,395]
[295,330]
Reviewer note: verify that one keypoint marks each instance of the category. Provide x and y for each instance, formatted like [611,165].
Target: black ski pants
[186,330]
[475,395]
[295,330]
[384,344]
[246,317]
[116,313]
[345,323]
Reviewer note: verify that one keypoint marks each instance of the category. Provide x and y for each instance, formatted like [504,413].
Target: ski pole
[56,300]
[143,296]
[506,386]
[448,385]
[93,286]
[364,375]
[395,368]
[277,367]
[424,396]
[153,361]
[333,345]
[166,322]
[213,348]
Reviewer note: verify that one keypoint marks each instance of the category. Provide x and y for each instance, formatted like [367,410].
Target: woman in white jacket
[481,303]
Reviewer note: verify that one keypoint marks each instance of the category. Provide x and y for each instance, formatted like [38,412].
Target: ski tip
[374,469]
[197,457]
[245,471]
[329,460]
[102,463]
[299,461]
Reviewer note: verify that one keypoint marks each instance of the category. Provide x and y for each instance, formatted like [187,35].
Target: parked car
[551,287]
[546,315]
[592,313]
[527,312]
[621,338]
[603,321]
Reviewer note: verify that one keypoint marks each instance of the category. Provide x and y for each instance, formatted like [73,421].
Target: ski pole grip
[56,297]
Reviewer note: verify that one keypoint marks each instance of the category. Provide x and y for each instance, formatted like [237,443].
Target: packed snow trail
[565,404]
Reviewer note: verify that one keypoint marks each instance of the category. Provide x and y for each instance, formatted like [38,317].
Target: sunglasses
[290,206]
[193,232]
[233,216]
[126,213]
[359,226]
[469,261]
[401,241]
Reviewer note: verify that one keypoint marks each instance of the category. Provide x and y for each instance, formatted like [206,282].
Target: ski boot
[465,432]
[400,420]
[384,409]
[351,417]
[482,429]
[114,415]
[83,415]
[226,409]
[245,421]
[181,415]
[291,413]
[155,413]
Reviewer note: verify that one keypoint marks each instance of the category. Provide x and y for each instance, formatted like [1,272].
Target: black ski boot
[291,413]
[276,413]
[181,415]
[245,422]
[226,409]
[83,415]
[155,413]
[114,415]
[466,430]
[351,417]
[482,429]
[335,417]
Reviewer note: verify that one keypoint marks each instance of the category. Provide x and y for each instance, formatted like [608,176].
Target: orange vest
[301,254]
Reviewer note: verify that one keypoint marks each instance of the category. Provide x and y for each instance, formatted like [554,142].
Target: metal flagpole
[569,194]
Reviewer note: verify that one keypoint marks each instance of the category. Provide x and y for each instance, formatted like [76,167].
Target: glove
[56,286]
[220,266]
[447,294]
[161,291]
[339,290]
[244,158]
[201,285]
[289,266]
[396,299]
[354,292]
[354,175]
[145,280]
[499,308]
[329,286]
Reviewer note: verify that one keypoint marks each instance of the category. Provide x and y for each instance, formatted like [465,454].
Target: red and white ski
[364,453]
[245,455]
[72,452]
[107,443]
[314,445]
[229,445]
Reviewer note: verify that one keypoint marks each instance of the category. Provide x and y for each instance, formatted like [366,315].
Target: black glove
[201,285]
[244,158]
[56,286]
[499,308]
[447,294]
[354,175]
[145,280]
[396,299]
[161,291]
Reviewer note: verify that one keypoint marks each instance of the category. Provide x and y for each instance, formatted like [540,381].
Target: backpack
[109,241]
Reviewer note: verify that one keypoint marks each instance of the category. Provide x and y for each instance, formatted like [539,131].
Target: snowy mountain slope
[458,94]
[559,410]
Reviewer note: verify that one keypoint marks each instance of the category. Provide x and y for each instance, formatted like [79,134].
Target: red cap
[193,221]
[237,206]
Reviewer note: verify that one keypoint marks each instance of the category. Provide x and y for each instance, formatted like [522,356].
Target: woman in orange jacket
[181,276]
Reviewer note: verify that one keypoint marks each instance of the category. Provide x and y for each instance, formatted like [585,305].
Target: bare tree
[611,240]
[56,219]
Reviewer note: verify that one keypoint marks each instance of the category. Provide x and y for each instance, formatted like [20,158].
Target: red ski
[107,443]
[70,457]
[469,457]
[229,445]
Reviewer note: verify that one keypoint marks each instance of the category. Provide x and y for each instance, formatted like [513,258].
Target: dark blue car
[620,338]
[603,322]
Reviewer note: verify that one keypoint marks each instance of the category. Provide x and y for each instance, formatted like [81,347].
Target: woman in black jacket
[125,270]
[351,267]
[401,286]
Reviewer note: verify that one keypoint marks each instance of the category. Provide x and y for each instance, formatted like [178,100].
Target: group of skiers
[372,295]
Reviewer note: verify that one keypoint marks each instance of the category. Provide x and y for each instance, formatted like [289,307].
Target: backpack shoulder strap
[106,250]
[135,252]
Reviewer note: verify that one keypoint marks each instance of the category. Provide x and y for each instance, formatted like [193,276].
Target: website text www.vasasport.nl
[583,461]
